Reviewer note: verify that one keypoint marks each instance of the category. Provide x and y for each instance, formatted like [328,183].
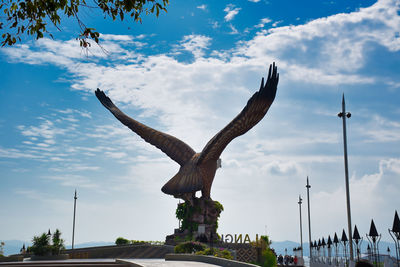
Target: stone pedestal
[203,212]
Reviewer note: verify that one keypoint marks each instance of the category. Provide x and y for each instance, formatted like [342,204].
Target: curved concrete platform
[164,263]
[107,263]
[207,259]
[172,260]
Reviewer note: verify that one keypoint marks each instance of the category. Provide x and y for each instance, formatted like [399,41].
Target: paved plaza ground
[162,263]
[109,262]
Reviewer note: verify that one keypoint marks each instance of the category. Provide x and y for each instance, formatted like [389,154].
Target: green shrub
[121,241]
[207,251]
[2,248]
[41,245]
[225,254]
[183,212]
[189,247]
[138,242]
[216,252]
[268,258]
[58,242]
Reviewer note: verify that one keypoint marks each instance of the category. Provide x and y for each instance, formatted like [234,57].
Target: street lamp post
[374,238]
[345,115]
[358,240]
[73,225]
[395,234]
[301,227]
[309,221]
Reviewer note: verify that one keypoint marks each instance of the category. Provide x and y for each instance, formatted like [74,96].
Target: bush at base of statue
[189,247]
[216,252]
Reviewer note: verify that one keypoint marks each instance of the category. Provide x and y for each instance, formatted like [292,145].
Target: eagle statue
[197,170]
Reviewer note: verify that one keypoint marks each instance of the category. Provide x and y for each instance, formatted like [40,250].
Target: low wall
[243,252]
[207,259]
[126,251]
[11,258]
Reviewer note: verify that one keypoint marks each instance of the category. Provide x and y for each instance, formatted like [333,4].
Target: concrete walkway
[164,263]
[107,262]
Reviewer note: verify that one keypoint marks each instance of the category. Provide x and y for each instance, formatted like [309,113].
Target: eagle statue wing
[253,112]
[176,149]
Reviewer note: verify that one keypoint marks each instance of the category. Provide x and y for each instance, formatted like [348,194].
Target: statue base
[199,222]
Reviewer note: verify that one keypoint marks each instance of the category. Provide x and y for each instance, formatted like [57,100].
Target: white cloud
[231,12]
[13,153]
[75,181]
[202,7]
[46,130]
[276,23]
[329,50]
[380,129]
[116,155]
[215,24]
[233,29]
[369,194]
[263,22]
[195,44]
[115,37]
[86,114]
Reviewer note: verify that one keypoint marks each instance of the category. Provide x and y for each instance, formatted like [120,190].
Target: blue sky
[188,73]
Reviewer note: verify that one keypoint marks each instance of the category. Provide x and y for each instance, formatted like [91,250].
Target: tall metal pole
[345,115]
[73,226]
[309,221]
[301,227]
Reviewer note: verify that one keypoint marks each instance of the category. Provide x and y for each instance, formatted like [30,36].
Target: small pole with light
[73,225]
[374,238]
[345,115]
[309,221]
[357,240]
[336,243]
[301,227]
[395,234]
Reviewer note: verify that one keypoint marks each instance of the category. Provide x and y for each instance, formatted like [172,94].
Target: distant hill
[280,246]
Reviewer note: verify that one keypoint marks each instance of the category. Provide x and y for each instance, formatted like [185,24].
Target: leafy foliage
[268,257]
[2,248]
[121,241]
[184,212]
[41,244]
[31,17]
[219,208]
[216,252]
[58,242]
[189,247]
[124,241]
